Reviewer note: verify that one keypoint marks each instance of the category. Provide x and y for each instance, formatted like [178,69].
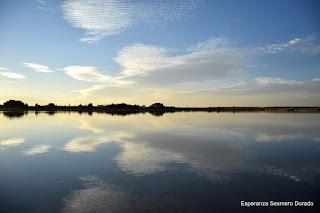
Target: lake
[178,162]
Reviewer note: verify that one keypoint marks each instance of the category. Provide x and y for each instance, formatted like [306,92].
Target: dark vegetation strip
[16,107]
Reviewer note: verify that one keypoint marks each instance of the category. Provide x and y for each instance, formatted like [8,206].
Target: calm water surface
[180,162]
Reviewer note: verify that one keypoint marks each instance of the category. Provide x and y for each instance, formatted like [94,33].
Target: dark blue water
[180,162]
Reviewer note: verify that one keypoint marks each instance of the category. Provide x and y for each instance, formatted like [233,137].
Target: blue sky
[188,52]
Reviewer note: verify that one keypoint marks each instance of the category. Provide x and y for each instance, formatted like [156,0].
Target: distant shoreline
[155,109]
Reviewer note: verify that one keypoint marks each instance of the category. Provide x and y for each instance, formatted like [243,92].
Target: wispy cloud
[264,85]
[101,18]
[92,74]
[37,150]
[44,5]
[4,69]
[309,45]
[149,65]
[12,75]
[270,80]
[87,73]
[160,66]
[211,67]
[5,72]
[37,67]
[87,91]
[153,65]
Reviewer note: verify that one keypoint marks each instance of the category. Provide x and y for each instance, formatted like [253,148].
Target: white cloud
[91,74]
[208,60]
[37,67]
[152,65]
[211,65]
[196,66]
[138,59]
[304,45]
[269,80]
[40,149]
[11,142]
[12,75]
[86,73]
[101,18]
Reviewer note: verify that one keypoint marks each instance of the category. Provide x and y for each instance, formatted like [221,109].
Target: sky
[181,53]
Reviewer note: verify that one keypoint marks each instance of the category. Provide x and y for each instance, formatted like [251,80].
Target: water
[178,162]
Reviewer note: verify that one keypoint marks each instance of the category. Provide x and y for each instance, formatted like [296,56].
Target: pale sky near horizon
[183,53]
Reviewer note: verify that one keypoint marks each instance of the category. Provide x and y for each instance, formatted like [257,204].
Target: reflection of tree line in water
[17,109]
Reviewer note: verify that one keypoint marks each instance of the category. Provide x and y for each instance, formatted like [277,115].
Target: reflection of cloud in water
[90,143]
[205,156]
[11,142]
[140,159]
[212,145]
[86,144]
[85,124]
[218,153]
[40,149]
[100,197]
[97,197]
[278,137]
[295,174]
[212,158]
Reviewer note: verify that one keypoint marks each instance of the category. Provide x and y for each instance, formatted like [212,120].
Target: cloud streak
[37,67]
[209,60]
[5,72]
[153,66]
[269,80]
[12,75]
[102,18]
[270,85]
[308,45]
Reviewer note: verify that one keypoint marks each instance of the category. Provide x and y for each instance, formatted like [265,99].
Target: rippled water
[178,162]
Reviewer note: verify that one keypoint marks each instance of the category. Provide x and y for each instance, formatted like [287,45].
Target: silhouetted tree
[51,105]
[156,106]
[12,104]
